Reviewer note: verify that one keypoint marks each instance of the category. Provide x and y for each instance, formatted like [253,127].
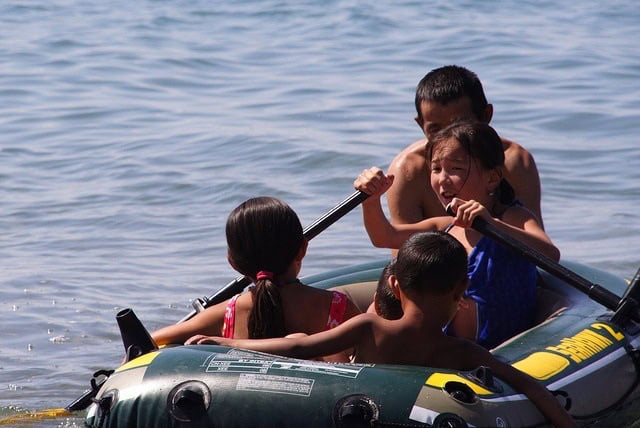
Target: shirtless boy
[443,96]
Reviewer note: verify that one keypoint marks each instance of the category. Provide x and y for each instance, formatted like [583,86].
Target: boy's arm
[347,335]
[546,403]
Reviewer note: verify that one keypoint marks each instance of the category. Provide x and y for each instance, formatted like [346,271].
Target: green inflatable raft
[581,350]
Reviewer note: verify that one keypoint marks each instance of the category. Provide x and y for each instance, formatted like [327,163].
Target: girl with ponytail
[265,242]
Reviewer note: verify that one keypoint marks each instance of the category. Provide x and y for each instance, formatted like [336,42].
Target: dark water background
[129,130]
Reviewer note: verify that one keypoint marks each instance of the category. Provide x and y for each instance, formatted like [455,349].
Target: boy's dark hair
[482,143]
[431,261]
[449,83]
[264,234]
[387,305]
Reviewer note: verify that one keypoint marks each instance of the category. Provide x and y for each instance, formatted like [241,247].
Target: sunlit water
[129,130]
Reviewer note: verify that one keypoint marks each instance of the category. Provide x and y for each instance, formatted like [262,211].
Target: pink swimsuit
[336,313]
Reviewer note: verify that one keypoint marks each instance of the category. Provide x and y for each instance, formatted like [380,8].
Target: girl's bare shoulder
[518,214]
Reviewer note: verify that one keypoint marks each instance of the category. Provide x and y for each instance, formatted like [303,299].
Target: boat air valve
[484,376]
[461,392]
[449,420]
[189,401]
[355,411]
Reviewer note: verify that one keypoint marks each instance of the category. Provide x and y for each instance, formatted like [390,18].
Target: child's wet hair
[450,83]
[434,262]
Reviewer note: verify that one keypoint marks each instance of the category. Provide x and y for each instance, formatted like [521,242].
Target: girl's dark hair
[431,261]
[482,143]
[450,83]
[264,234]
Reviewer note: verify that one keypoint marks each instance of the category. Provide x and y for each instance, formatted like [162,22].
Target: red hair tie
[264,274]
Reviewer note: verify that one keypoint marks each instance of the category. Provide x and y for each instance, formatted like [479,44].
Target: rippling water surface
[128,131]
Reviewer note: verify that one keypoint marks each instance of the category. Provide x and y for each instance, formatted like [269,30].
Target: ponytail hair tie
[264,274]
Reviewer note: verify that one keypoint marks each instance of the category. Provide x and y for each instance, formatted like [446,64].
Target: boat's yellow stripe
[542,365]
[439,380]
[143,360]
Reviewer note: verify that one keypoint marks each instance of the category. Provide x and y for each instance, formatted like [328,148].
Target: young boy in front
[429,278]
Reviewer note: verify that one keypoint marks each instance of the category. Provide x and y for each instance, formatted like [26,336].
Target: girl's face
[454,174]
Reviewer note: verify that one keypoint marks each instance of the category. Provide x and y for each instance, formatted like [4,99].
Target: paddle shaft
[596,292]
[310,232]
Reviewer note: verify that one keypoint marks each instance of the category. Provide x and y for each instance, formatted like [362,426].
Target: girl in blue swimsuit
[466,162]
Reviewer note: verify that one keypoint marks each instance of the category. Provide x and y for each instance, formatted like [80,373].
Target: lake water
[129,130]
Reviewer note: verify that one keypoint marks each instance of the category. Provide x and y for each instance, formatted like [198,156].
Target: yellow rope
[37,415]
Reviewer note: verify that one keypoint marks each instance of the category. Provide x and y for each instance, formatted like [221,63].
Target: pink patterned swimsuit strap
[230,318]
[337,309]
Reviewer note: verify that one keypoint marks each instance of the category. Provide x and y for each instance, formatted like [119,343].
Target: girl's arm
[516,222]
[382,233]
[347,335]
[208,322]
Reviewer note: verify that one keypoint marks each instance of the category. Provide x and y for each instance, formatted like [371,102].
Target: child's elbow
[554,253]
[380,242]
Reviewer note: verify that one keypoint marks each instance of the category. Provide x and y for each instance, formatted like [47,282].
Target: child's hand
[373,181]
[467,211]
[200,339]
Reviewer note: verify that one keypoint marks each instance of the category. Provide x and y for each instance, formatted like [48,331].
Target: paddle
[596,292]
[310,232]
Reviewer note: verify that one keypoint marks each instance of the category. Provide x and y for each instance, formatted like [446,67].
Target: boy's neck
[431,318]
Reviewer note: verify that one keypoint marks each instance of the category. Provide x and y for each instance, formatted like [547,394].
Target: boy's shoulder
[410,160]
[457,354]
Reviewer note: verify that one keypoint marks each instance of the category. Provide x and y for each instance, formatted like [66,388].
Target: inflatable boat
[582,351]
[583,347]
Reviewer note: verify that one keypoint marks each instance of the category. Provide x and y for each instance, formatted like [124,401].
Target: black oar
[310,232]
[594,291]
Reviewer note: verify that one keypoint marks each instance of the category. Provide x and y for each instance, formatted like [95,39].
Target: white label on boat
[275,384]
[225,363]
[238,365]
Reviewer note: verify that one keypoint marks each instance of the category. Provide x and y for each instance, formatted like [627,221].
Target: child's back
[265,242]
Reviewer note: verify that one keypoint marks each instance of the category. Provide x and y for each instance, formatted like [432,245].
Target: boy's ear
[393,284]
[420,122]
